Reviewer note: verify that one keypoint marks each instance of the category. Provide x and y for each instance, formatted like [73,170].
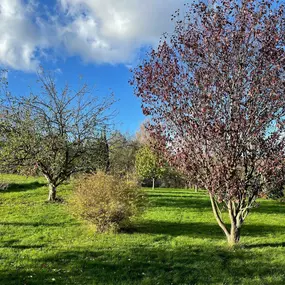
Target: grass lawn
[176,241]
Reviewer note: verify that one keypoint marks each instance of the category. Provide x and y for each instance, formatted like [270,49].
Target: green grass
[176,241]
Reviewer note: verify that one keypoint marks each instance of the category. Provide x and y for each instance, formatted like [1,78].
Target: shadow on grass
[15,187]
[269,207]
[262,245]
[181,202]
[191,200]
[35,224]
[196,230]
[177,194]
[13,244]
[22,247]
[144,265]
[203,230]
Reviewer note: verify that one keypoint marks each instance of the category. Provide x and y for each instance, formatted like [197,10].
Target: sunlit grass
[176,241]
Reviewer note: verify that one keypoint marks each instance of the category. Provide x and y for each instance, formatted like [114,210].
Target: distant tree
[143,136]
[55,132]
[215,94]
[103,153]
[123,150]
[147,165]
[170,177]
[97,155]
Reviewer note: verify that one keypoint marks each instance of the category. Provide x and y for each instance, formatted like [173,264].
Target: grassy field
[176,241]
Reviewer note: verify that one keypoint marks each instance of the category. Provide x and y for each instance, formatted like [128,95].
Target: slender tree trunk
[52,193]
[196,188]
[153,181]
[218,216]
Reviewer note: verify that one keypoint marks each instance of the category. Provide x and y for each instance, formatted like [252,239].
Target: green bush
[106,201]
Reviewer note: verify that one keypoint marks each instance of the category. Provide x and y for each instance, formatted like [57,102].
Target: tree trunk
[52,193]
[236,216]
[153,181]
[196,188]
[236,222]
[218,216]
[234,236]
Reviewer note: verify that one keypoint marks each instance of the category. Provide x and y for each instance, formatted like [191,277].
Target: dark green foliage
[172,179]
[122,154]
[276,194]
[97,155]
[103,153]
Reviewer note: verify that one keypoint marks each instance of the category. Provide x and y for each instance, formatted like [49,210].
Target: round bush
[106,201]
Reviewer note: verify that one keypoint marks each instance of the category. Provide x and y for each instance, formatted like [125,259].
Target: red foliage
[215,93]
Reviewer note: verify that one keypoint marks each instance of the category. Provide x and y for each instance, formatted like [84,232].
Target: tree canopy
[147,164]
[214,91]
[57,132]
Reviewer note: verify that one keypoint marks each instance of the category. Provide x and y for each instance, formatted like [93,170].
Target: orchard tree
[147,165]
[56,132]
[215,94]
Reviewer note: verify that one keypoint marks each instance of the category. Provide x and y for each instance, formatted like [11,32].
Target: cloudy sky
[92,40]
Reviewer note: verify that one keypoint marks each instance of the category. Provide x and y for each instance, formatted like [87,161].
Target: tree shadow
[35,224]
[21,187]
[196,230]
[270,208]
[22,247]
[255,230]
[176,193]
[189,201]
[261,245]
[181,202]
[13,244]
[149,265]
[203,230]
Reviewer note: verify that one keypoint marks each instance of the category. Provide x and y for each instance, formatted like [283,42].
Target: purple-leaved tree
[215,94]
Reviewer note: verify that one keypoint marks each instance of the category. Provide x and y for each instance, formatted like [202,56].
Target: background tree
[170,177]
[143,136]
[55,132]
[103,153]
[123,150]
[214,91]
[147,165]
[97,155]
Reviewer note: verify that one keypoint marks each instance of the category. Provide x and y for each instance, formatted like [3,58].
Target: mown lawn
[177,241]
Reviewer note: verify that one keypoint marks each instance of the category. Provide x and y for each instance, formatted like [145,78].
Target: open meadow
[176,241]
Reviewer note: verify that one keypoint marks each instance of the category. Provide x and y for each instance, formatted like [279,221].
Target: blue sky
[92,41]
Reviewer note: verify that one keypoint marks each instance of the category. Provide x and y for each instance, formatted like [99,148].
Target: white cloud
[20,38]
[109,31]
[112,30]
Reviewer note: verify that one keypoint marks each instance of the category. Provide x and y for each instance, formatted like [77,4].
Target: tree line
[61,133]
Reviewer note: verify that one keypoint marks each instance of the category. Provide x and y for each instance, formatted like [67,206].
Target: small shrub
[106,201]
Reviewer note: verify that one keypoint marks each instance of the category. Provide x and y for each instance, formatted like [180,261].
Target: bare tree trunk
[196,188]
[218,217]
[234,236]
[153,181]
[52,193]
[236,222]
[237,217]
